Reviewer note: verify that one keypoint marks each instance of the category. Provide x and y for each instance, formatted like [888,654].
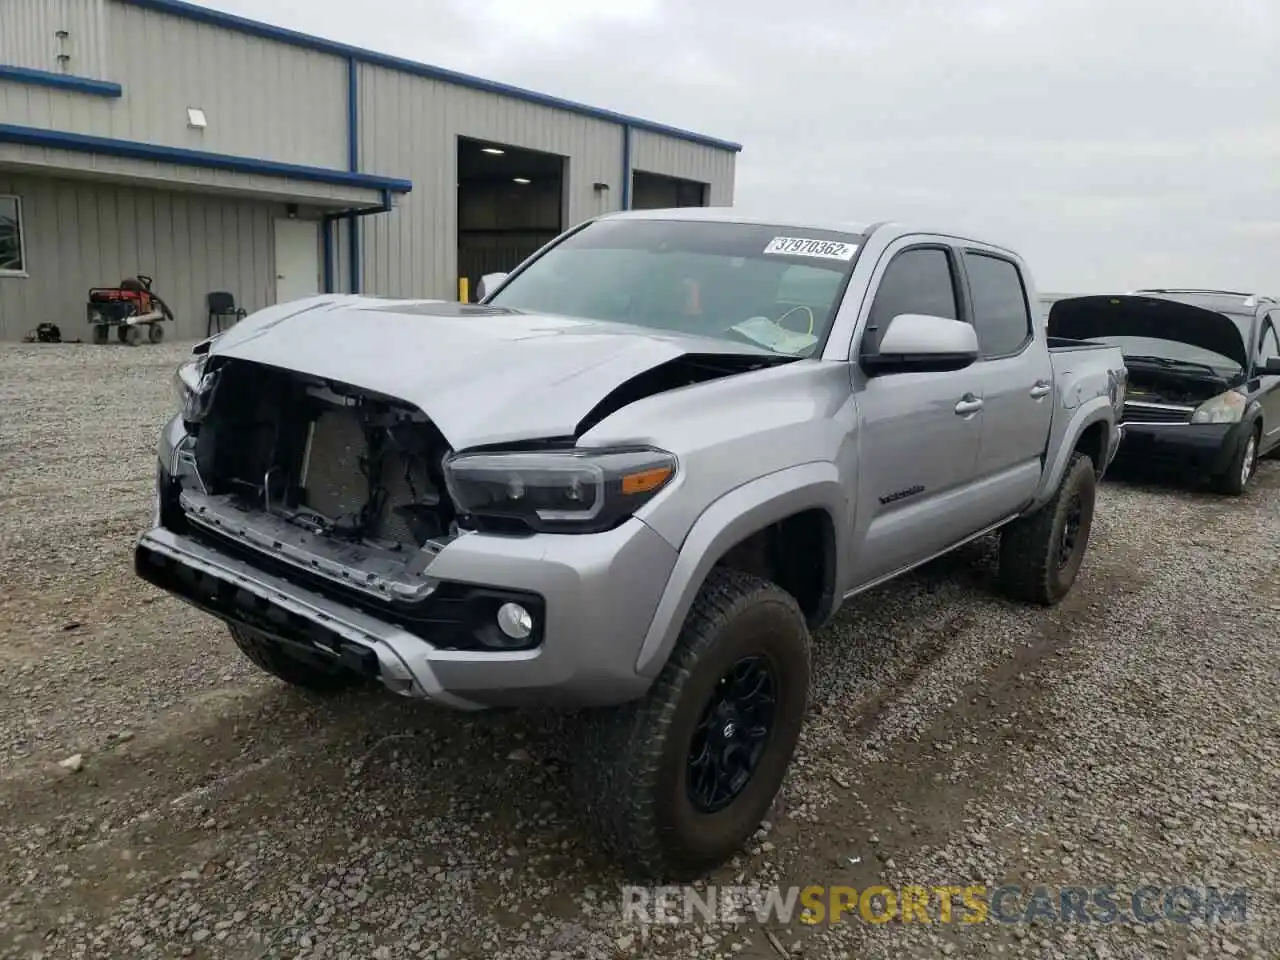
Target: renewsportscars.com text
[968,904]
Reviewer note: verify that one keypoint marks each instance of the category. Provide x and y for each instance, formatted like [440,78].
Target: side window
[1000,313]
[916,281]
[1270,346]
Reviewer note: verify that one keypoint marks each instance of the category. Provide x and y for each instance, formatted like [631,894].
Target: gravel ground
[1127,737]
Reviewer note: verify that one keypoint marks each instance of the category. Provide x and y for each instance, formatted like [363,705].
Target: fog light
[515,621]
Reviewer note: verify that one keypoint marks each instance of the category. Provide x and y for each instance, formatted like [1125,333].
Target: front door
[1269,349]
[918,433]
[297,259]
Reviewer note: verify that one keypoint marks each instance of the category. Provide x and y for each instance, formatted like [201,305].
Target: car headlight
[562,491]
[1224,408]
[194,386]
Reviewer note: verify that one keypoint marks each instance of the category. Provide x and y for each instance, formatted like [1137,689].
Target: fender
[1253,419]
[1097,410]
[728,521]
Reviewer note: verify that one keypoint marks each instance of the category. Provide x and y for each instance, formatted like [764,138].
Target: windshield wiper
[1170,362]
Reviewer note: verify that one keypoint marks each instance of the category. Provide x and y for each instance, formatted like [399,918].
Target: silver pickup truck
[633,479]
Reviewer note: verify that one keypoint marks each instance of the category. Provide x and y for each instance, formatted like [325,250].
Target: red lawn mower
[131,308]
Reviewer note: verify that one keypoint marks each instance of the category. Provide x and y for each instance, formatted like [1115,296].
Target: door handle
[968,404]
[1041,389]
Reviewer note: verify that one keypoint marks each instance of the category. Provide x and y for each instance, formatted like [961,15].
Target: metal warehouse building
[215,153]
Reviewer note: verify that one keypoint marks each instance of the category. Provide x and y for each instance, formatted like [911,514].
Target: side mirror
[1269,368]
[489,283]
[917,343]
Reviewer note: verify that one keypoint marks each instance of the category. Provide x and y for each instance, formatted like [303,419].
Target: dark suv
[1203,395]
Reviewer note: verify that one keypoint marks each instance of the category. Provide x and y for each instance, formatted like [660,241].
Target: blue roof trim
[83,143]
[60,81]
[190,11]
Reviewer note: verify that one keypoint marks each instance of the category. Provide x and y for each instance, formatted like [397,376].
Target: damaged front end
[343,484]
[350,496]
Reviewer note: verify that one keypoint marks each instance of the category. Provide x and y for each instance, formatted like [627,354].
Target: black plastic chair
[222,305]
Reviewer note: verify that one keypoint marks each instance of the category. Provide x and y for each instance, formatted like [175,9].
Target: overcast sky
[1116,143]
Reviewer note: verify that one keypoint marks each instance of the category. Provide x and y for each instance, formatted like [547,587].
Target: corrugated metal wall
[410,125]
[262,99]
[654,153]
[80,234]
[29,36]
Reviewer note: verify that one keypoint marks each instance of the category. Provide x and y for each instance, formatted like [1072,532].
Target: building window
[12,252]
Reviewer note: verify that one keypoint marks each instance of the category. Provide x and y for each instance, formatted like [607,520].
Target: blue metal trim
[353,164]
[60,81]
[326,253]
[353,116]
[326,228]
[83,143]
[628,175]
[190,11]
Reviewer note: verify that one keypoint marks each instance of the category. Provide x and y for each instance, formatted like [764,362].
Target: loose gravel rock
[1126,737]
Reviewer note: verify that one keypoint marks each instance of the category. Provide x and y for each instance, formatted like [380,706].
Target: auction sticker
[804,247]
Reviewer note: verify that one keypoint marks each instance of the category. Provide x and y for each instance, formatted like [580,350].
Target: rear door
[918,432]
[1269,349]
[1016,382]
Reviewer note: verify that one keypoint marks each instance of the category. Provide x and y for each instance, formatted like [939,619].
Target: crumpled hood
[1085,318]
[482,374]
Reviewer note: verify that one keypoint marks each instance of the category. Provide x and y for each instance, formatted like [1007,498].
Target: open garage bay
[1128,737]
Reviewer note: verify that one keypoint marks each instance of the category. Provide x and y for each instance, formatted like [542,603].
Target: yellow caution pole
[463,290]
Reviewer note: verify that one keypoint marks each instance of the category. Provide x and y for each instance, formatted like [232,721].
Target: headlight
[1224,408]
[567,491]
[194,388]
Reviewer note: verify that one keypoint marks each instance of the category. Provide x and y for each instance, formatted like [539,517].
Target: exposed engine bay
[1174,386]
[346,483]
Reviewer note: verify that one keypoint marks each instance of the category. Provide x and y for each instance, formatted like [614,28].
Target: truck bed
[1064,344]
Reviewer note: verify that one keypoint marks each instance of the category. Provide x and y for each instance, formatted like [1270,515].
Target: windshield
[772,287]
[1137,347]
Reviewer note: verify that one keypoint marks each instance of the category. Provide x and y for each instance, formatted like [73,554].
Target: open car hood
[482,374]
[1085,318]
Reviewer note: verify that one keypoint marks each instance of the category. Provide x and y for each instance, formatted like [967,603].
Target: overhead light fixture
[520,180]
[196,119]
[494,150]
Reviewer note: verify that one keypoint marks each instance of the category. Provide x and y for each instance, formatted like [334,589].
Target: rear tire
[101,333]
[275,660]
[132,334]
[1040,555]
[1233,481]
[676,783]
[155,332]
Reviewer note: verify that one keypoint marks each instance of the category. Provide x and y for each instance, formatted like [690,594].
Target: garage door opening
[654,191]
[510,203]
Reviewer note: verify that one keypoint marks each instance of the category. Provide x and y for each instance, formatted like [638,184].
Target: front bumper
[1195,449]
[599,594]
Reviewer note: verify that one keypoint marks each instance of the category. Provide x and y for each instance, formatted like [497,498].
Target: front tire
[676,783]
[275,660]
[1040,555]
[1244,465]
